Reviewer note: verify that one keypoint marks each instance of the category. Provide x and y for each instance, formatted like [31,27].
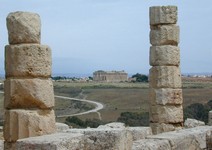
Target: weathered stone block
[107,138]
[191,123]
[163,127]
[28,60]
[57,141]
[139,132]
[151,144]
[210,118]
[61,127]
[166,114]
[165,96]
[165,77]
[163,15]
[1,144]
[29,93]
[186,139]
[164,55]
[165,35]
[136,133]
[113,125]
[28,123]
[23,27]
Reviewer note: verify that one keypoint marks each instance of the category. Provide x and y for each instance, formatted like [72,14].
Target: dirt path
[99,106]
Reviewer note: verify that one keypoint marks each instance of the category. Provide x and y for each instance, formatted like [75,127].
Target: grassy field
[132,97]
[119,97]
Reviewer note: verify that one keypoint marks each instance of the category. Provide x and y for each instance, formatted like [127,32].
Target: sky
[90,35]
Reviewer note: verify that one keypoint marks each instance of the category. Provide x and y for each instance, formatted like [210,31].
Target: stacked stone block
[210,118]
[29,96]
[166,111]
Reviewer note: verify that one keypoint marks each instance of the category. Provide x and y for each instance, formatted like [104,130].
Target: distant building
[110,76]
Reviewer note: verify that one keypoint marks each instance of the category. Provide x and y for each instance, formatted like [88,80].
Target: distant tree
[58,78]
[90,78]
[140,77]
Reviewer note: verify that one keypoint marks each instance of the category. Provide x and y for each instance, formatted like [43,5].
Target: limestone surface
[139,132]
[151,144]
[113,125]
[164,55]
[23,27]
[187,139]
[166,114]
[164,96]
[87,139]
[108,138]
[136,133]
[61,127]
[57,141]
[21,123]
[165,35]
[28,60]
[165,77]
[191,123]
[163,15]
[29,93]
[1,144]
[164,127]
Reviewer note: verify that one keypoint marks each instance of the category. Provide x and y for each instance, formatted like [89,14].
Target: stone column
[210,118]
[29,96]
[166,111]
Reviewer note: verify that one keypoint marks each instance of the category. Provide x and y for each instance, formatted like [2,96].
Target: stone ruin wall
[113,76]
[166,111]
[29,96]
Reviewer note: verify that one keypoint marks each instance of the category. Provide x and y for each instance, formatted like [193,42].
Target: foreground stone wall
[166,111]
[116,137]
[29,96]
[198,138]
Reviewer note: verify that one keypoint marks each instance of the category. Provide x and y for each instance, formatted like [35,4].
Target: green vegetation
[63,78]
[67,91]
[59,78]
[75,122]
[97,85]
[134,119]
[126,97]
[198,111]
[195,111]
[90,78]
[129,118]
[140,77]
[122,97]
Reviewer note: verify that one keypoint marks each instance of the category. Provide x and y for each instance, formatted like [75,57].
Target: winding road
[98,107]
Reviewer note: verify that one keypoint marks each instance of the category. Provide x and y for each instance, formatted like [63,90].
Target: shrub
[78,123]
[134,118]
[198,111]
